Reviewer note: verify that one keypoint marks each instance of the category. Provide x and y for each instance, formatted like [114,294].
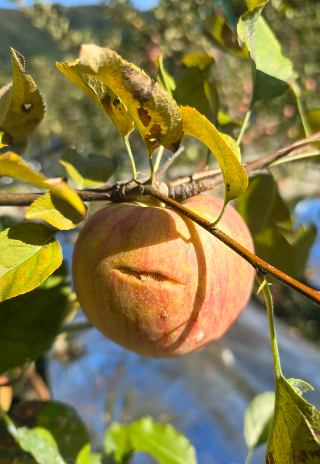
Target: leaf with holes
[163,442]
[28,255]
[51,432]
[295,430]
[12,165]
[92,171]
[29,322]
[21,105]
[235,177]
[54,210]
[155,113]
[271,70]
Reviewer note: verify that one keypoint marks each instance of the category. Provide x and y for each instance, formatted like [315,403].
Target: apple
[156,283]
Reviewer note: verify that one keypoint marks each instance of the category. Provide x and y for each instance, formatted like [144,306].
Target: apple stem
[133,166]
[269,303]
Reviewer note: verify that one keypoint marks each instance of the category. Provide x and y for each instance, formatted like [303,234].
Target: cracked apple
[156,283]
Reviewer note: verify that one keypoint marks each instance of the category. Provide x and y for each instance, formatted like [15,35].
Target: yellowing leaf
[88,172]
[12,165]
[252,4]
[28,255]
[54,210]
[202,60]
[102,94]
[155,113]
[294,435]
[235,177]
[21,105]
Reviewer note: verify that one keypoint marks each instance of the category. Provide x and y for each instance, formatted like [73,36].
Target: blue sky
[140,4]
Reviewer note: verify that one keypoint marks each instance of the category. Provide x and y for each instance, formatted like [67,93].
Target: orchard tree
[36,299]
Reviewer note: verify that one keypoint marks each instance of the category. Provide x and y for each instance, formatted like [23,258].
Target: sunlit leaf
[294,435]
[235,177]
[28,255]
[28,323]
[102,94]
[50,431]
[118,444]
[299,386]
[92,171]
[163,442]
[257,419]
[13,166]
[252,4]
[233,145]
[21,105]
[164,77]
[54,210]
[155,113]
[201,60]
[271,70]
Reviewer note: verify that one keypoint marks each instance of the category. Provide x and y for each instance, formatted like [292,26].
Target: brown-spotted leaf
[21,104]
[28,255]
[12,165]
[155,113]
[59,213]
[295,430]
[235,177]
[102,94]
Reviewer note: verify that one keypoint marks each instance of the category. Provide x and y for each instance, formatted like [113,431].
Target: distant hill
[17,31]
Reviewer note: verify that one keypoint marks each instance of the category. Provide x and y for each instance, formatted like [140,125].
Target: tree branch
[179,190]
[260,265]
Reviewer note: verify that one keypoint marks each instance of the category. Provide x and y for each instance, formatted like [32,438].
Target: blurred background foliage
[45,33]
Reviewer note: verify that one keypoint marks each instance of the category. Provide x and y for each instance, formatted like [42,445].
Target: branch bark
[179,190]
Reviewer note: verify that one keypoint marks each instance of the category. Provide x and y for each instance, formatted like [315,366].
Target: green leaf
[28,323]
[88,172]
[222,35]
[57,212]
[258,418]
[50,431]
[261,205]
[155,113]
[28,255]
[118,444]
[299,386]
[235,177]
[301,239]
[212,95]
[201,60]
[224,119]
[12,165]
[167,81]
[21,105]
[190,90]
[271,70]
[294,435]
[163,442]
